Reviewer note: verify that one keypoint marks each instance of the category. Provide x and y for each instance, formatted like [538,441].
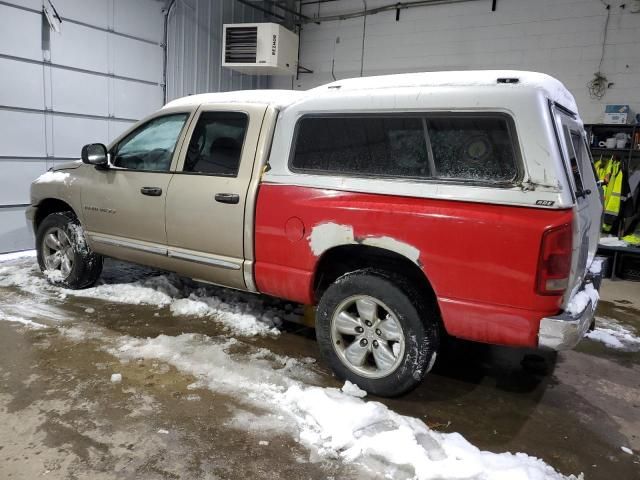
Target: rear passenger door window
[215,147]
[464,148]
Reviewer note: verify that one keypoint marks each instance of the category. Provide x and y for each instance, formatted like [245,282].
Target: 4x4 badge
[546,203]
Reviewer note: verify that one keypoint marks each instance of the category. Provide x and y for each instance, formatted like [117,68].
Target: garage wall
[59,91]
[195,47]
[559,37]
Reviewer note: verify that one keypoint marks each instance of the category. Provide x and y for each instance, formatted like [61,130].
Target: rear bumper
[564,331]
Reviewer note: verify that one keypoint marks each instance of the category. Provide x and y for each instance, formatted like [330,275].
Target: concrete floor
[61,417]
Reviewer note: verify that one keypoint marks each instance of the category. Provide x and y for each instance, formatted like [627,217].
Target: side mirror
[94,154]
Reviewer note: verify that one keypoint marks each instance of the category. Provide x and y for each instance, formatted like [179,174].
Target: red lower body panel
[480,259]
[285,282]
[495,324]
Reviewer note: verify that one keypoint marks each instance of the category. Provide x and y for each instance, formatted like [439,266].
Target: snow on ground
[244,314]
[331,423]
[5,257]
[241,313]
[615,335]
[16,319]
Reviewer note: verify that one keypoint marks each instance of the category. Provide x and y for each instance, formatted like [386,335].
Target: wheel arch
[48,206]
[341,259]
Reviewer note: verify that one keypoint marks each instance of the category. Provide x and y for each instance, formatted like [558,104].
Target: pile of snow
[330,422]
[353,390]
[5,257]
[241,313]
[146,292]
[615,335]
[25,274]
[337,425]
[580,300]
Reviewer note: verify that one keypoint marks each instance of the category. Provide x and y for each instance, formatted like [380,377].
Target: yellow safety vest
[610,173]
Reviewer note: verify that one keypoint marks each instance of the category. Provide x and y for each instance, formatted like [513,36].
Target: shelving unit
[630,157]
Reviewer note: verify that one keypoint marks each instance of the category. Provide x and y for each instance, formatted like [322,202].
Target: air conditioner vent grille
[241,45]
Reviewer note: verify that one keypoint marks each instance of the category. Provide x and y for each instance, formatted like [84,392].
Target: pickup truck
[404,207]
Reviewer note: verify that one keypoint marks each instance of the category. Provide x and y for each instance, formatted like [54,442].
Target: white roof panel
[281,99]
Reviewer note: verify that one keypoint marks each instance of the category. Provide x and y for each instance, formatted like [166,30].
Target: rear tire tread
[418,314]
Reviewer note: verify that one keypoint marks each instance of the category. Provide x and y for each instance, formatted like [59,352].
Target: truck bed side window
[385,146]
[464,147]
[215,147]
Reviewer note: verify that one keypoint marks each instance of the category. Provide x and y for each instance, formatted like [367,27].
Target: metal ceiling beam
[288,7]
[384,8]
[261,9]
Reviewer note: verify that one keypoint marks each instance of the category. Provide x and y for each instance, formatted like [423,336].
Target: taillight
[554,265]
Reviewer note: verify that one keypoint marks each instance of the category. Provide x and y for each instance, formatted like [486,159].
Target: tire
[63,254]
[381,297]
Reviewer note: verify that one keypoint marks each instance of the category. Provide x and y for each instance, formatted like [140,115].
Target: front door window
[150,147]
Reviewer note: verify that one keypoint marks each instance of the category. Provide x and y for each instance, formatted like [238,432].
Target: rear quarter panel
[480,259]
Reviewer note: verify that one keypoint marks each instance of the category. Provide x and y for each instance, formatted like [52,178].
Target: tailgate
[581,179]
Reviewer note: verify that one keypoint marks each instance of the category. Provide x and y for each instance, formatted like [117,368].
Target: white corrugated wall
[58,91]
[564,38]
[195,47]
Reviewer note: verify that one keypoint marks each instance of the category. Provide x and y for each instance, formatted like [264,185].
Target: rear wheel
[63,254]
[376,331]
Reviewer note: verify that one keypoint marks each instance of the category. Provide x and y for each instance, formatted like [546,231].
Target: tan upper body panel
[183,227]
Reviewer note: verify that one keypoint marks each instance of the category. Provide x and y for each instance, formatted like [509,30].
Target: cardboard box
[619,114]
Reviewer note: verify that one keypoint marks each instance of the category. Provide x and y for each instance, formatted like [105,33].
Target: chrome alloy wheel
[57,252]
[367,336]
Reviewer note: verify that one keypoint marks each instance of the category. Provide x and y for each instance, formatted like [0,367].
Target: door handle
[151,191]
[227,198]
[583,193]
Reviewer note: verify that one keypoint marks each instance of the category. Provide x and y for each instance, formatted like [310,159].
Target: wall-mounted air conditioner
[260,49]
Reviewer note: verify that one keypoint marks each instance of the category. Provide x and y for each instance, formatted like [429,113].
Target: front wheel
[375,330]
[63,254]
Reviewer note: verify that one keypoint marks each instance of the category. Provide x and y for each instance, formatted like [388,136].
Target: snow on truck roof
[277,98]
[552,87]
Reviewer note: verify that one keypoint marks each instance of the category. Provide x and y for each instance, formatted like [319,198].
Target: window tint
[463,147]
[392,146]
[472,148]
[216,143]
[151,146]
